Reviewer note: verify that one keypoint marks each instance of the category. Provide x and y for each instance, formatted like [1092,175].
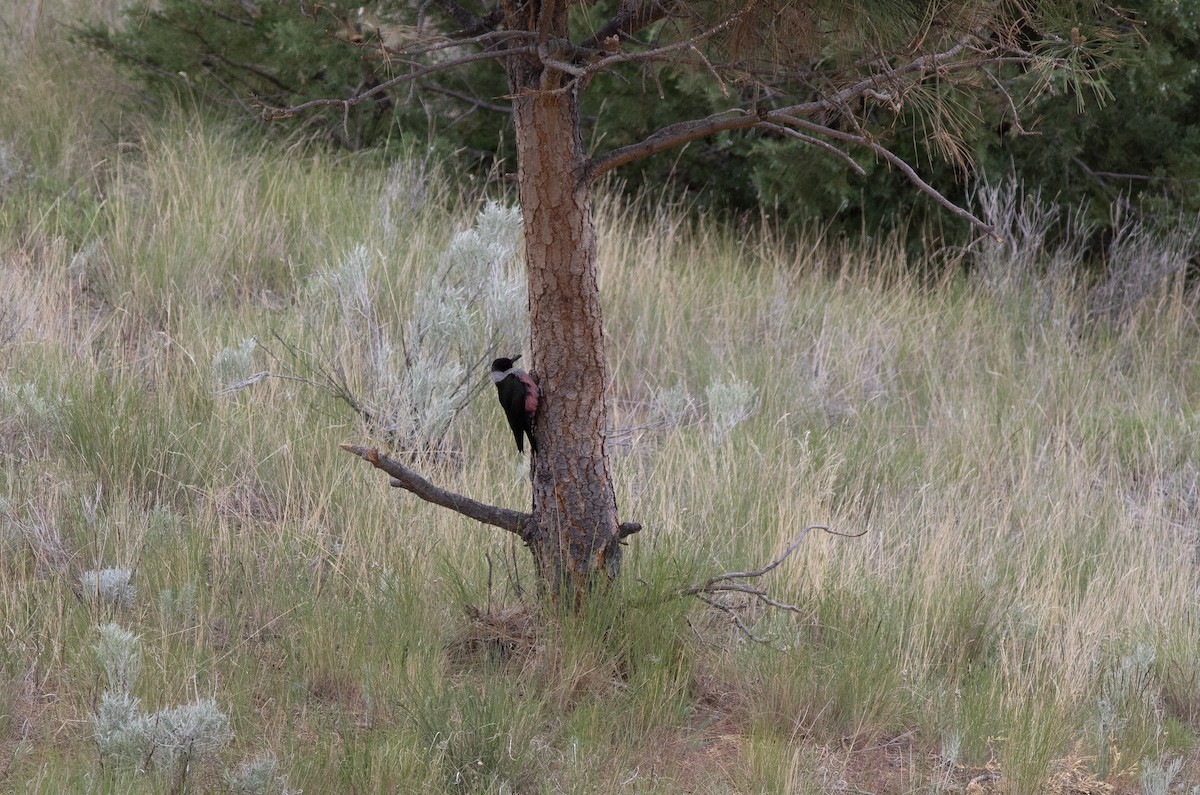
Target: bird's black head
[504,365]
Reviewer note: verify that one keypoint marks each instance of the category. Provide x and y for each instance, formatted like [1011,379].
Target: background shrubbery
[1137,143]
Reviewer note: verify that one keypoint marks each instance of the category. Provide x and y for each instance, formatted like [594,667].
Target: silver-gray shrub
[1125,692]
[348,282]
[118,654]
[27,400]
[670,407]
[172,739]
[233,366]
[486,255]
[183,734]
[730,403]
[413,379]
[123,733]
[338,304]
[1042,243]
[121,730]
[476,300]
[1141,262]
[29,410]
[258,776]
[339,308]
[1156,776]
[111,586]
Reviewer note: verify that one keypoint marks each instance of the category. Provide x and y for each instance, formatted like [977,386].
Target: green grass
[1021,608]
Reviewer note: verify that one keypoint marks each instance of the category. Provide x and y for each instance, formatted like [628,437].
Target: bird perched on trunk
[518,397]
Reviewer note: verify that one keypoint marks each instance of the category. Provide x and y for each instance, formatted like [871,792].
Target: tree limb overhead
[631,17]
[407,77]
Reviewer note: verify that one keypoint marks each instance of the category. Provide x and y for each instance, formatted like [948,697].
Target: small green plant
[29,416]
[162,523]
[178,606]
[25,400]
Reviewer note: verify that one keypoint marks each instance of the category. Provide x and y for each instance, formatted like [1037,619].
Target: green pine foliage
[1142,141]
[1131,131]
[242,57]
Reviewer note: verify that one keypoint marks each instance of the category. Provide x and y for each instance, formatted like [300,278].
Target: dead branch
[631,17]
[660,53]
[668,137]
[789,119]
[851,163]
[682,132]
[404,478]
[407,479]
[744,118]
[492,41]
[734,582]
[416,74]
[909,172]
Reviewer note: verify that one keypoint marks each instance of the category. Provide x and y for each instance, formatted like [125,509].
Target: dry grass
[1020,616]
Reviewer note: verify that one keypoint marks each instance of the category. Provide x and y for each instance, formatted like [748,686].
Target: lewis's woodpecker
[519,397]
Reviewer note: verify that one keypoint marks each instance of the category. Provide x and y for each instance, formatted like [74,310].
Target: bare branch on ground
[734,582]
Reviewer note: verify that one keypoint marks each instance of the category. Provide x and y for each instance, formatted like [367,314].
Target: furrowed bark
[574,536]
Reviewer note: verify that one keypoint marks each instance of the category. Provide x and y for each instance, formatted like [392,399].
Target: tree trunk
[573,535]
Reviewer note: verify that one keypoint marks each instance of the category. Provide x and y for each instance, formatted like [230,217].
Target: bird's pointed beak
[518,356]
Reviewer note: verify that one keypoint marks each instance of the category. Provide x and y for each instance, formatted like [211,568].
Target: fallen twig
[729,583]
